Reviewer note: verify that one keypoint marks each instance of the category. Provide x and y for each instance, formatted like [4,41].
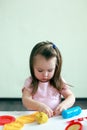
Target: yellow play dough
[41,117]
[20,121]
[27,118]
[16,125]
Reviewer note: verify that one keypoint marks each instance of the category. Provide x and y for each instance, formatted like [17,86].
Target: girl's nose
[45,74]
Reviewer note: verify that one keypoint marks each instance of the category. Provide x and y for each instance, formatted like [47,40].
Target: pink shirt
[45,93]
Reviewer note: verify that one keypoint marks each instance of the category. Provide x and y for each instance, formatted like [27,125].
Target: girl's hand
[44,108]
[59,109]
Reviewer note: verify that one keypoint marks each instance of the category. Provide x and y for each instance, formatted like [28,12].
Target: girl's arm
[32,104]
[69,100]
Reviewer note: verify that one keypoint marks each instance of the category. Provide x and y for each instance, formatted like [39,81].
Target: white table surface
[54,123]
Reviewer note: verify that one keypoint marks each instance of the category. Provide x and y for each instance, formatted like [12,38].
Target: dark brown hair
[48,50]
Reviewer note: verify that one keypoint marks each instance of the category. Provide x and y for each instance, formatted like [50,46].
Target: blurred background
[23,23]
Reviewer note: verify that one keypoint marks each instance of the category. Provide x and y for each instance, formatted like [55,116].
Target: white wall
[23,23]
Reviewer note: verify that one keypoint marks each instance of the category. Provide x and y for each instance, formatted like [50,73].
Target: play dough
[41,117]
[74,126]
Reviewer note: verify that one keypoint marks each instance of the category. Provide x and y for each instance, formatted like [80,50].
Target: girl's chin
[44,80]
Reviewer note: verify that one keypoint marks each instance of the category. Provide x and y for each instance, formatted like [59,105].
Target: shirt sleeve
[64,86]
[27,84]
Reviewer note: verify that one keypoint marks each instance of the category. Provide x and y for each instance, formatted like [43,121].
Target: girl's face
[44,68]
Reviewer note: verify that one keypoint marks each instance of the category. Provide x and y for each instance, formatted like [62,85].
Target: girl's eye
[40,71]
[50,70]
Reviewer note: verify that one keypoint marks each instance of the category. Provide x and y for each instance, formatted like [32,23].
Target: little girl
[42,91]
